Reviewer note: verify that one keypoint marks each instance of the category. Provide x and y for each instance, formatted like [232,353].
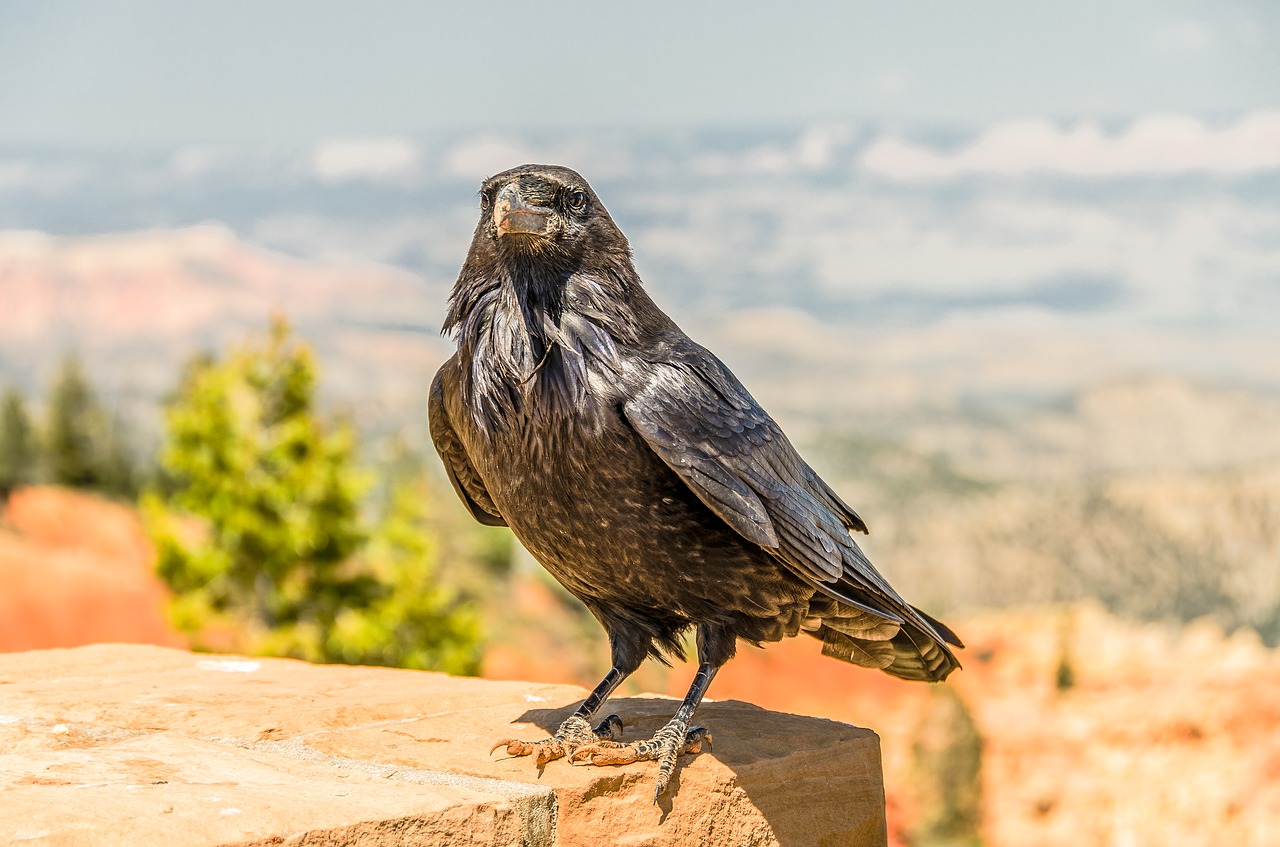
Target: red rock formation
[76,569]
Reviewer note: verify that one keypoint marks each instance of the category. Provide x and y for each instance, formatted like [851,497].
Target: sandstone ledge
[126,744]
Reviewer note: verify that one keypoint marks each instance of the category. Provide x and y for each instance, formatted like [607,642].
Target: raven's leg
[626,655]
[576,730]
[715,647]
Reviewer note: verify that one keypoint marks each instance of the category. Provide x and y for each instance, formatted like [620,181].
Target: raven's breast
[613,524]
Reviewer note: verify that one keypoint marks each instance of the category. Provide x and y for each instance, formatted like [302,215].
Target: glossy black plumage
[633,464]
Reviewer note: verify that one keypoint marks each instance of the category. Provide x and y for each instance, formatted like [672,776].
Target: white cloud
[1187,256]
[480,158]
[818,148]
[1182,38]
[20,175]
[812,151]
[1153,145]
[191,163]
[379,159]
[1188,259]
[475,159]
[890,84]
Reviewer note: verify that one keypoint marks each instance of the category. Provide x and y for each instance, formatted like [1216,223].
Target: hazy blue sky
[163,73]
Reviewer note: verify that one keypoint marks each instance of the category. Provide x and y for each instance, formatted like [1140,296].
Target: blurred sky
[159,74]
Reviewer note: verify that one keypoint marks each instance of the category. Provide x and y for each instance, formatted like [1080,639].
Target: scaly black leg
[576,730]
[666,745]
[715,647]
[626,654]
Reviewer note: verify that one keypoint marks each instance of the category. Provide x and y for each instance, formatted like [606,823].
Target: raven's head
[546,215]
[547,292]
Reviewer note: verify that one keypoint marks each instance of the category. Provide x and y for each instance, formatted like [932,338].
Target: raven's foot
[665,747]
[573,734]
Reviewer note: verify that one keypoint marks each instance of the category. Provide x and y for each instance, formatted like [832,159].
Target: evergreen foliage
[74,429]
[414,619]
[261,531]
[1064,677]
[17,443]
[84,447]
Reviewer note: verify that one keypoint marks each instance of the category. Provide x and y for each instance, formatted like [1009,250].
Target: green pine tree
[74,430]
[261,531]
[17,443]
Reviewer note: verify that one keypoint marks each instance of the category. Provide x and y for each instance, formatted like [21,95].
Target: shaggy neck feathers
[529,330]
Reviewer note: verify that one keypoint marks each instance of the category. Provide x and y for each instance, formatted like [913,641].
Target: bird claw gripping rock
[665,747]
[573,734]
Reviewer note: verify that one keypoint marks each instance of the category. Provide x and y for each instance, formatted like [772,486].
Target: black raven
[637,469]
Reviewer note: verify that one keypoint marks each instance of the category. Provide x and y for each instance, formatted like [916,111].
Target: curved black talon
[610,729]
[697,736]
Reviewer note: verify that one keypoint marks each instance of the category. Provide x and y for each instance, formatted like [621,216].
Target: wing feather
[696,416]
[466,482]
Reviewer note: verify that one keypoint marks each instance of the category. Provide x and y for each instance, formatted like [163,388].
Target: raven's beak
[512,215]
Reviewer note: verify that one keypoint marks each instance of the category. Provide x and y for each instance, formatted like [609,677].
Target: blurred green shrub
[259,531]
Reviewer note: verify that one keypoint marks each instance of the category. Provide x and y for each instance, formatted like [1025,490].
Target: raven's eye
[577,201]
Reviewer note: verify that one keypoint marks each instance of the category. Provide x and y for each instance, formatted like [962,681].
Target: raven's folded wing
[695,414]
[466,481]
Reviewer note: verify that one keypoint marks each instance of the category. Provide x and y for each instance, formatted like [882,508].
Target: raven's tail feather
[920,655]
[906,650]
[942,629]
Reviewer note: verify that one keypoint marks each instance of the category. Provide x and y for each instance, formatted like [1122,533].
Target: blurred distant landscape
[1033,336]
[843,269]
[1040,358]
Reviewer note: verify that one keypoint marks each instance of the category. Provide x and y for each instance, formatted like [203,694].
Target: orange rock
[76,569]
